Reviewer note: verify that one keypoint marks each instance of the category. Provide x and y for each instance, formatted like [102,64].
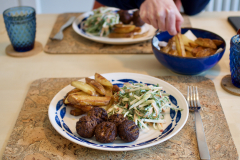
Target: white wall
[50,6]
[62,6]
[4,4]
[223,5]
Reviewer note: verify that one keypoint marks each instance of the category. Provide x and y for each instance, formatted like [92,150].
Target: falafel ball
[100,114]
[106,132]
[128,131]
[117,119]
[86,126]
[125,17]
[137,21]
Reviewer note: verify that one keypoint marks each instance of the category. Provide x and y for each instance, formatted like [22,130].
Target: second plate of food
[65,123]
[147,31]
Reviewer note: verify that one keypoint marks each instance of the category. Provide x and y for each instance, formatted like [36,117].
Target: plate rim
[120,149]
[110,40]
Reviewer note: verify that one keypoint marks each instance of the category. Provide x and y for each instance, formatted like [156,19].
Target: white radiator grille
[223,5]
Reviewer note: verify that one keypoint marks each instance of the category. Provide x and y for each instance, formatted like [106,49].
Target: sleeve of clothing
[193,7]
[122,4]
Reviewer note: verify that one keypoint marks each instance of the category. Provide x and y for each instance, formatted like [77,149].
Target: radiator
[223,5]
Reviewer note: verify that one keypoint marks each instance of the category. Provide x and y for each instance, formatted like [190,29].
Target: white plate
[65,124]
[77,29]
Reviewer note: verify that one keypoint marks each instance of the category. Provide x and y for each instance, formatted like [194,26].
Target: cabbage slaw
[101,22]
[144,104]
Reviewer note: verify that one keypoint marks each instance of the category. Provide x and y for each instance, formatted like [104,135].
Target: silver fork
[194,105]
[59,35]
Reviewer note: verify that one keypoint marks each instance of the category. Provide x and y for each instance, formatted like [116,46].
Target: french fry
[74,91]
[186,41]
[180,45]
[120,35]
[193,44]
[96,85]
[76,112]
[115,88]
[205,52]
[205,42]
[80,93]
[217,42]
[168,46]
[137,29]
[99,78]
[83,108]
[140,35]
[110,104]
[115,98]
[84,87]
[118,25]
[65,101]
[124,29]
[166,49]
[82,100]
[173,52]
[196,50]
[188,48]
[189,54]
[108,91]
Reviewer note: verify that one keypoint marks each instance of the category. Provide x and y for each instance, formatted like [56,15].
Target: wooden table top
[16,74]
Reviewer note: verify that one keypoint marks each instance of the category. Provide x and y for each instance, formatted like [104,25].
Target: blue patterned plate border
[64,123]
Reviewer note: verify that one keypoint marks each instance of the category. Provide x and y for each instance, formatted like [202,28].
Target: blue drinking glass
[20,23]
[235,60]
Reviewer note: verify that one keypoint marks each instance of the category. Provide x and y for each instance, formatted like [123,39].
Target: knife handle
[69,22]
[202,144]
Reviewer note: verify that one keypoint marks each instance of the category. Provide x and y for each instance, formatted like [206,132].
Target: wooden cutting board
[33,136]
[72,43]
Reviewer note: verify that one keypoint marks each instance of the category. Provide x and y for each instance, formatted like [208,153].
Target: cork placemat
[72,43]
[33,136]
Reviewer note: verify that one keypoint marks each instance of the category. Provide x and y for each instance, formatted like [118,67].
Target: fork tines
[193,98]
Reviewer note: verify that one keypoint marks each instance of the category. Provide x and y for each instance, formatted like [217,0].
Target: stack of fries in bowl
[190,52]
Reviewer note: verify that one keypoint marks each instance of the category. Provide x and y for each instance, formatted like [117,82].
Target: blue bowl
[188,65]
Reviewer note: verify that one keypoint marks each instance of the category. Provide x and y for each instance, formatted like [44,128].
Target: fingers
[153,22]
[147,15]
[179,21]
[178,26]
[161,18]
[164,16]
[170,22]
[143,14]
[178,4]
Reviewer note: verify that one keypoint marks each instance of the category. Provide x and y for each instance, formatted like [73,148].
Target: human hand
[178,4]
[162,14]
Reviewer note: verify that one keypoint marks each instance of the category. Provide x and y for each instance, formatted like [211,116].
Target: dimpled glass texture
[20,23]
[235,60]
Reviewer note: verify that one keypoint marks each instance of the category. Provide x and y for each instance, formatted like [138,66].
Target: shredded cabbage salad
[144,104]
[101,22]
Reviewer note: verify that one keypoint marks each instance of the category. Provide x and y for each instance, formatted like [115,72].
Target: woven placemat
[72,43]
[33,136]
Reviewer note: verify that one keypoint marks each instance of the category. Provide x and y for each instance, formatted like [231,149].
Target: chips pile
[93,92]
[182,46]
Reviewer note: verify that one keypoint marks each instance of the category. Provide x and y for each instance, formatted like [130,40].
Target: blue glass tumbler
[235,60]
[20,23]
